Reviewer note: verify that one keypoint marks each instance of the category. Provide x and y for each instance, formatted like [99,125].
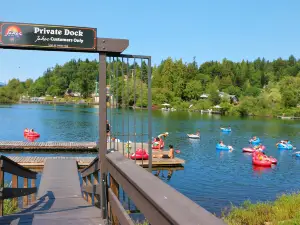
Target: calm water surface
[212,179]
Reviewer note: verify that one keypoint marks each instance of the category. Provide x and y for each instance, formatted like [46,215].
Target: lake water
[211,178]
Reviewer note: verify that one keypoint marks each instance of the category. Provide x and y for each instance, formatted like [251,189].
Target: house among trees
[70,93]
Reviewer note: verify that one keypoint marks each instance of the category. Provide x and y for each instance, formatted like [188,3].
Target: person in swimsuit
[170,154]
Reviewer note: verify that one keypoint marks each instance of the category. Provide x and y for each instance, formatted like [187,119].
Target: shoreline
[156,109]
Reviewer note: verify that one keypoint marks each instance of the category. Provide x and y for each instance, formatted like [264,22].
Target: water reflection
[162,175]
[260,169]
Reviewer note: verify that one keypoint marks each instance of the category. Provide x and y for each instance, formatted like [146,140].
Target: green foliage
[264,88]
[284,210]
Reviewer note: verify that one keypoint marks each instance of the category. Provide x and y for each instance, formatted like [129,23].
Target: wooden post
[33,196]
[96,196]
[2,185]
[115,188]
[84,185]
[89,183]
[25,198]
[15,185]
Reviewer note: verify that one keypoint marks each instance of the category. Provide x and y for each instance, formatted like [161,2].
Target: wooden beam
[33,195]
[14,168]
[14,185]
[16,192]
[114,186]
[111,45]
[25,198]
[118,209]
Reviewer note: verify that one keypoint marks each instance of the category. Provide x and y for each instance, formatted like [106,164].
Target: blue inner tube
[219,147]
[256,142]
[297,154]
[226,130]
[283,146]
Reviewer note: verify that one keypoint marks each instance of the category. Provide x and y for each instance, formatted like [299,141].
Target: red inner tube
[31,134]
[261,163]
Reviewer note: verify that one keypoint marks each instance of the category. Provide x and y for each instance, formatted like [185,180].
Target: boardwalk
[59,199]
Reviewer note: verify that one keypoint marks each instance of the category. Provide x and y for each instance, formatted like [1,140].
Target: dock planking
[48,146]
[59,199]
[39,162]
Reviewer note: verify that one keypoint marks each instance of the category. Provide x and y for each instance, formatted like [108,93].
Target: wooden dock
[59,199]
[48,146]
[36,162]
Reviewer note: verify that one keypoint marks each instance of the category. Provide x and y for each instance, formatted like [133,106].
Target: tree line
[263,87]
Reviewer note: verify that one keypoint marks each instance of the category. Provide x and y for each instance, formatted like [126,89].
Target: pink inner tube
[248,150]
[140,154]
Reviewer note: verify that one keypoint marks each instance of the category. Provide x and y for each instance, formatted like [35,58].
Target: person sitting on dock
[170,154]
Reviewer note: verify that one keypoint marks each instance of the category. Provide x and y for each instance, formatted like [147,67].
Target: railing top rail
[169,203]
[91,168]
[12,167]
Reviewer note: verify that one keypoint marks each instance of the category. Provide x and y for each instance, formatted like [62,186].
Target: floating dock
[37,162]
[48,146]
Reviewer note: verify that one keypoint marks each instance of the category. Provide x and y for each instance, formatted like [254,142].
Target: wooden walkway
[59,199]
[47,146]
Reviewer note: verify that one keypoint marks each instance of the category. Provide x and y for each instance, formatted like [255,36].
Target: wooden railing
[13,192]
[160,203]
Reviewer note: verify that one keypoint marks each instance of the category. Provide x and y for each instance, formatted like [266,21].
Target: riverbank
[284,210]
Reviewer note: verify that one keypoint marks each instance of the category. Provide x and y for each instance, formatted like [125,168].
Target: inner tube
[220,147]
[273,160]
[193,136]
[140,154]
[285,146]
[32,134]
[251,150]
[226,129]
[254,142]
[263,162]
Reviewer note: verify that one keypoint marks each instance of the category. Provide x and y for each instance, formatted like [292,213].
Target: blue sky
[207,29]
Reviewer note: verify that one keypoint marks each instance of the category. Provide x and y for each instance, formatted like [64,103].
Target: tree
[289,98]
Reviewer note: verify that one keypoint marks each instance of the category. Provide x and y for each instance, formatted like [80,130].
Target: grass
[285,210]
[9,205]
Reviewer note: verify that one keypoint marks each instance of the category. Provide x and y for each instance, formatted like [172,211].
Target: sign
[21,35]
